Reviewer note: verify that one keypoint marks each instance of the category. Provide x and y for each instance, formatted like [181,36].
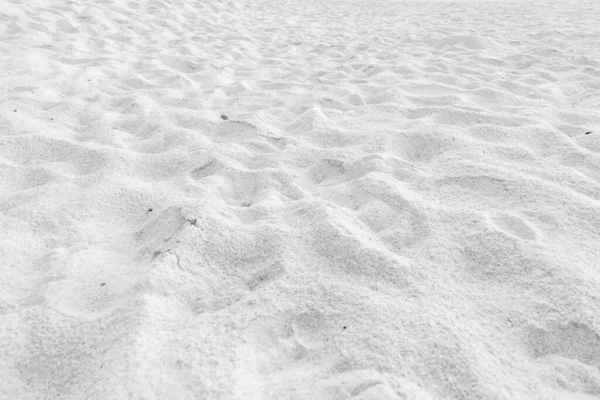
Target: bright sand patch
[402,202]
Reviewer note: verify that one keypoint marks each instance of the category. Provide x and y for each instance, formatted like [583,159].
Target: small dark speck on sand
[15,110]
[223,117]
[588,133]
[345,327]
[103,284]
[149,210]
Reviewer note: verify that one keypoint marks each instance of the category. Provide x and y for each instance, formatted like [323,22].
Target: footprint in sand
[280,343]
[92,281]
[96,280]
[296,353]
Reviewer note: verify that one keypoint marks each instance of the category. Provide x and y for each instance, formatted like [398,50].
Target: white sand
[402,204]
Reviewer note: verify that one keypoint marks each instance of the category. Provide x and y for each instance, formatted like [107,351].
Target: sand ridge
[273,199]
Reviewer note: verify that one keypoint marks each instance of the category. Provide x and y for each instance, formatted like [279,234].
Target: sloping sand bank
[275,199]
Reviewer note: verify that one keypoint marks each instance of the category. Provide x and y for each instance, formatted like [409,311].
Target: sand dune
[274,199]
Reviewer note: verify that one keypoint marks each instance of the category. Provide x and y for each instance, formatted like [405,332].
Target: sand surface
[315,199]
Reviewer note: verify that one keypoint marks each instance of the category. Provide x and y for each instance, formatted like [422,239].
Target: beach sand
[276,199]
